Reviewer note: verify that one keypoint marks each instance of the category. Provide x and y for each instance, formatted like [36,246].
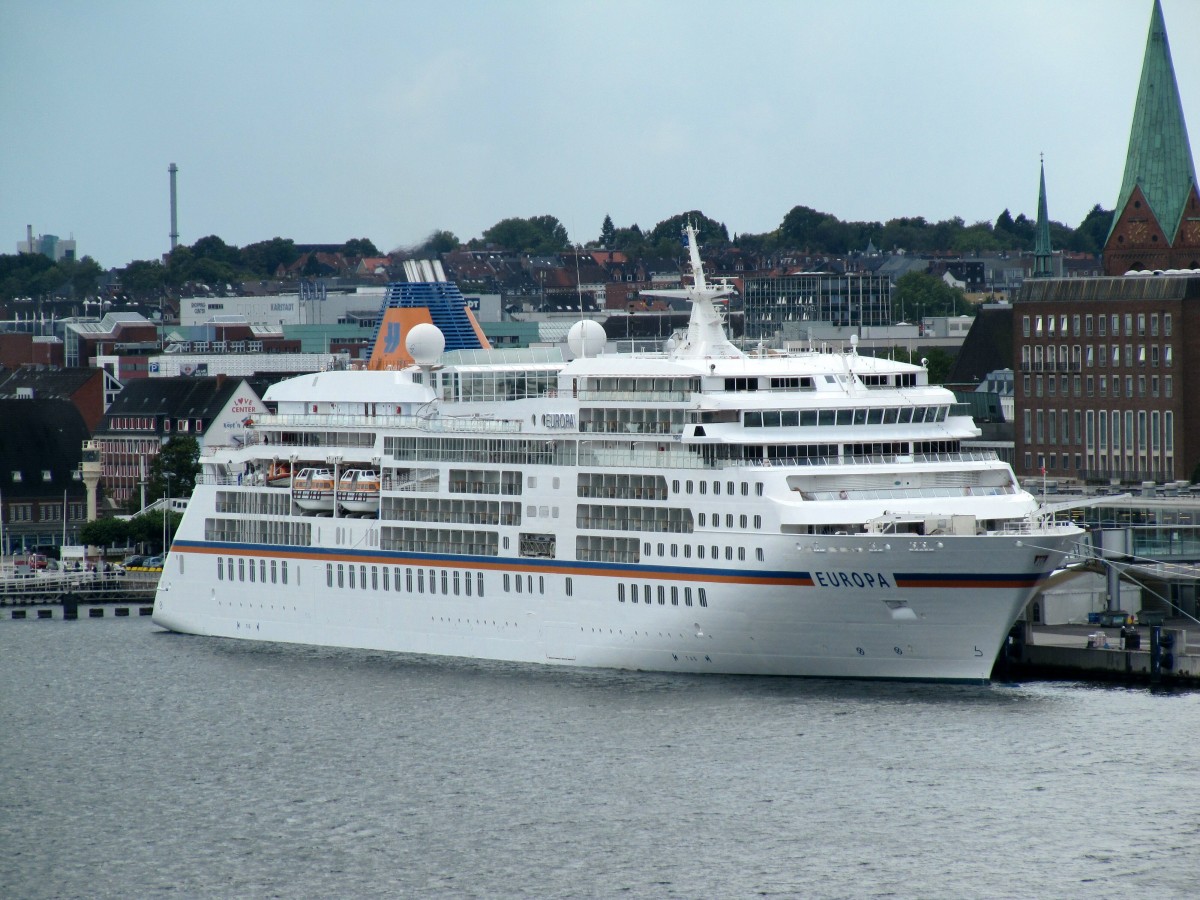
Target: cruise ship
[703,509]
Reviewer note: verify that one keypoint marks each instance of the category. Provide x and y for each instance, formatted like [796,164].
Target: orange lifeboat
[312,489]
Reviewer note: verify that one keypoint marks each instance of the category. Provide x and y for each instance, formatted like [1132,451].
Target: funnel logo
[391,338]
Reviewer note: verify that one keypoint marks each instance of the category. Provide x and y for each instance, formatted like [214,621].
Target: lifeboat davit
[312,489]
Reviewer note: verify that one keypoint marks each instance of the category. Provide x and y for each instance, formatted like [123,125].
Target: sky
[323,122]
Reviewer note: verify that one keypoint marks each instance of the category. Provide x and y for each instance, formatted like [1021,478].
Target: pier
[74,595]
[1166,653]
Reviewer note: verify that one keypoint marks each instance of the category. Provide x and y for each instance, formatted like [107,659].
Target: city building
[786,306]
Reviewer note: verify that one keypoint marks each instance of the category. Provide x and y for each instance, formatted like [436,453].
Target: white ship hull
[849,606]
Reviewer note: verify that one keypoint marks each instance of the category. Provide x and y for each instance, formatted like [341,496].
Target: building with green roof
[1157,219]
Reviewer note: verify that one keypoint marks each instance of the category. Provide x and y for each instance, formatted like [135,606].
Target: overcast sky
[323,122]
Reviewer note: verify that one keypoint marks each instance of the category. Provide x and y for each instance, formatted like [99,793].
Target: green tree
[105,533]
[359,247]
[607,233]
[144,278]
[920,294]
[539,235]
[667,235]
[436,244]
[265,257]
[1092,232]
[147,528]
[179,459]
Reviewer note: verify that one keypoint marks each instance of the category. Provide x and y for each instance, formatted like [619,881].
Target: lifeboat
[279,474]
[358,490]
[312,489]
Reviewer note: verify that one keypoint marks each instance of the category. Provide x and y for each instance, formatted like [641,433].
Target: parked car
[131,562]
[153,562]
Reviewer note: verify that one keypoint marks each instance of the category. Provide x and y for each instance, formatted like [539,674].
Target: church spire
[1159,160]
[1156,224]
[1043,256]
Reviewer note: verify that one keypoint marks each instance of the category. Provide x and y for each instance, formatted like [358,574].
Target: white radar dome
[586,338]
[425,343]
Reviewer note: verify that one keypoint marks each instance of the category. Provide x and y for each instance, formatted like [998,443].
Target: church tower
[1157,220]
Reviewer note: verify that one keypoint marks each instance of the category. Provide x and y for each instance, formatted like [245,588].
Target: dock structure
[1167,653]
[75,591]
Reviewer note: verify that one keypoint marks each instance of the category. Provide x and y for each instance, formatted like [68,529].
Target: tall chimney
[173,170]
[29,237]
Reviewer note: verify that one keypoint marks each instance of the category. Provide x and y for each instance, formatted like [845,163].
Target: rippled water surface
[137,763]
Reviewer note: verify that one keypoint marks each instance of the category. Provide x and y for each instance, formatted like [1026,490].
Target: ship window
[758,523]
[687,551]
[328,574]
[674,595]
[408,580]
[283,571]
[456,582]
[262,571]
[229,568]
[729,553]
[507,585]
[375,577]
[273,571]
[351,568]
[716,552]
[541,584]
[758,488]
[743,521]
[758,552]
[687,596]
[742,554]
[745,489]
[445,582]
[479,583]
[620,591]
[220,569]
[675,487]
[728,520]
[518,580]
[789,418]
[704,487]
[386,579]
[569,590]
[341,576]
[717,487]
[700,551]
[421,581]
[662,549]
[532,481]
[689,487]
[529,583]
[700,519]
[703,595]
[241,570]
[674,550]
[432,581]
[662,595]
[646,548]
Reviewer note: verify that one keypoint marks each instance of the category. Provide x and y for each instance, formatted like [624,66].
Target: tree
[359,247]
[539,235]
[179,459]
[147,527]
[919,294]
[105,533]
[264,258]
[144,278]
[1092,232]
[607,233]
[436,244]
[667,235]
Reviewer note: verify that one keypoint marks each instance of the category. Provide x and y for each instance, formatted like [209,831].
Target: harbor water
[138,763]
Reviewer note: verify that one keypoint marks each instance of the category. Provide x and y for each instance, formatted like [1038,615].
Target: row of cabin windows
[1049,326]
[743,521]
[731,488]
[649,593]
[730,552]
[414,580]
[252,570]
[875,415]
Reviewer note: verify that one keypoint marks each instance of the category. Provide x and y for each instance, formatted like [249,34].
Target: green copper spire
[1043,256]
[1159,160]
